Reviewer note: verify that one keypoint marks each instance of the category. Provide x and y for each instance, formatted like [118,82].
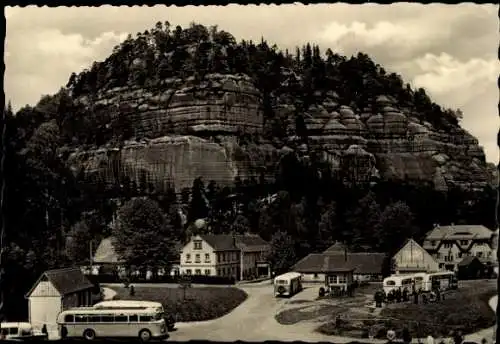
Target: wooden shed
[55,291]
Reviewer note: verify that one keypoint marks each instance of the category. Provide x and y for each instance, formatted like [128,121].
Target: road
[253,320]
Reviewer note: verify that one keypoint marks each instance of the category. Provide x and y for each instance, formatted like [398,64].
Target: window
[438,255]
[69,318]
[441,265]
[459,255]
[218,272]
[145,318]
[332,278]
[464,242]
[188,258]
[121,318]
[188,272]
[13,330]
[433,243]
[342,279]
[315,275]
[133,318]
[197,245]
[448,245]
[197,258]
[479,254]
[81,318]
[107,318]
[94,318]
[207,272]
[448,258]
[197,272]
[207,258]
[223,256]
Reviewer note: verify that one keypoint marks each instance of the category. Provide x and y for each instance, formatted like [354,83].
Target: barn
[55,291]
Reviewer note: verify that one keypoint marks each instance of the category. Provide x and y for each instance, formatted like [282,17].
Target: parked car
[20,331]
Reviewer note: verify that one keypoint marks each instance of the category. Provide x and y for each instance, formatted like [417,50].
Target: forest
[50,214]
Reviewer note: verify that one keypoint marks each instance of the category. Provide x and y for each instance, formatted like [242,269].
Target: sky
[450,50]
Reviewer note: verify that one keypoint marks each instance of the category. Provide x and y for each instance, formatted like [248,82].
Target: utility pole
[91,257]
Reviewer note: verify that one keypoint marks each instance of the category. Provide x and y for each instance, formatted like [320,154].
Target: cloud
[450,50]
[41,62]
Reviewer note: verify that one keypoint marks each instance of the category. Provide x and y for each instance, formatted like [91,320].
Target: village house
[413,258]
[54,292]
[336,270]
[365,266]
[237,256]
[450,244]
[106,259]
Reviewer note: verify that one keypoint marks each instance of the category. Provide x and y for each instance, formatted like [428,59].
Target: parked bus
[118,304]
[287,284]
[395,282]
[91,323]
[445,280]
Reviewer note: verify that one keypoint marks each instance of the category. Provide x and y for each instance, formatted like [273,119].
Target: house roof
[228,242]
[458,232]
[106,254]
[66,281]
[336,247]
[361,263]
[468,260]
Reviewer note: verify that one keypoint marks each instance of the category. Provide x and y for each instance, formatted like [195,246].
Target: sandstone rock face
[401,146]
[176,125]
[174,160]
[217,104]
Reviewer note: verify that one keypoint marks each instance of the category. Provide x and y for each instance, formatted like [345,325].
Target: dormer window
[197,244]
[464,242]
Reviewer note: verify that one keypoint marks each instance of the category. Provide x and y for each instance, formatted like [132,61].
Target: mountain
[174,104]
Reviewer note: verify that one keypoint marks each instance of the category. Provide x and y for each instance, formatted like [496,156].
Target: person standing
[406,336]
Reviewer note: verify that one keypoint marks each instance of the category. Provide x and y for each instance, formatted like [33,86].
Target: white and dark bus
[287,284]
[401,282]
[145,323]
[445,280]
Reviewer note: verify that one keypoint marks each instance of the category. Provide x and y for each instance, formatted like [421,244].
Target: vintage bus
[145,323]
[288,284]
[118,304]
[445,280]
[395,282]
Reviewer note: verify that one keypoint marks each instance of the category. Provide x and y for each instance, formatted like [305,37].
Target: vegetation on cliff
[51,213]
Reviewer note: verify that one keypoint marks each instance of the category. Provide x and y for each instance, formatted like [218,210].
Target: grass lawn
[466,309]
[201,303]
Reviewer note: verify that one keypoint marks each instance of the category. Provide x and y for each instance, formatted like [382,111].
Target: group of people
[398,295]
[455,337]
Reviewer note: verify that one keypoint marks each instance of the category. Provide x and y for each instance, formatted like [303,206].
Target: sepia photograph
[315,173]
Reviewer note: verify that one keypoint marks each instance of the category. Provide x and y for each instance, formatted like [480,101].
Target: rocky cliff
[189,126]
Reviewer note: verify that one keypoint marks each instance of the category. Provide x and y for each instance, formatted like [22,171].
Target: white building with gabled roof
[450,244]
